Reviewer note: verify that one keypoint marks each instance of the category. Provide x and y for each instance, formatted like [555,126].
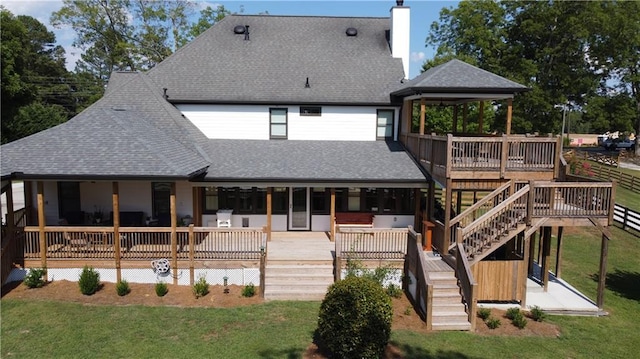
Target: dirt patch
[533,328]
[141,294]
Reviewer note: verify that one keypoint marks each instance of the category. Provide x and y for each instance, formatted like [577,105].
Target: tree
[36,93]
[208,17]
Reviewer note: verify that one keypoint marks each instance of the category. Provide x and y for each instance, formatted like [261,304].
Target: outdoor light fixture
[225,280]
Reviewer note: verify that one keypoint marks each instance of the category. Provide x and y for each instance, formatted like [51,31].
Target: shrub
[89,281]
[484,313]
[161,289]
[35,277]
[355,319]
[122,288]
[394,291]
[537,314]
[201,287]
[493,323]
[249,290]
[519,321]
[513,312]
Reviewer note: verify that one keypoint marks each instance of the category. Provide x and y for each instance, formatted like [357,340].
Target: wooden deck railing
[371,243]
[467,283]
[418,285]
[143,243]
[572,199]
[443,155]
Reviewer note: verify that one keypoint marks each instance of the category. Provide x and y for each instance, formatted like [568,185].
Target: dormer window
[310,111]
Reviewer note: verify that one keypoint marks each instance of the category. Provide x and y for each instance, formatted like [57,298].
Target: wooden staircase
[285,280]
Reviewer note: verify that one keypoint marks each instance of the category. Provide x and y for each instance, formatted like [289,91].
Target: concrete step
[451,326]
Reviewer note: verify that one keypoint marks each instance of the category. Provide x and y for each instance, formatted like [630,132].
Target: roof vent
[352,31]
[239,30]
[307,85]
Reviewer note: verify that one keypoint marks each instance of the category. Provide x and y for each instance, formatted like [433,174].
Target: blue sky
[423,13]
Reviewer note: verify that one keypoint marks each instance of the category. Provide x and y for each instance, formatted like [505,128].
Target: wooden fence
[627,217]
[608,172]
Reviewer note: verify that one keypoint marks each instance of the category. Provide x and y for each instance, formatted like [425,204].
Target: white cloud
[417,56]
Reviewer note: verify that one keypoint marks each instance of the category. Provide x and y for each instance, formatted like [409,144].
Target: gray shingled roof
[220,66]
[130,132]
[458,76]
[331,161]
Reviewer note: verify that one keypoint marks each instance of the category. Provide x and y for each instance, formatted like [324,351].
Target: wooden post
[481,118]
[197,206]
[41,225]
[559,253]
[509,115]
[263,266]
[418,217]
[332,217]
[191,255]
[602,275]
[532,248]
[525,276]
[465,112]
[431,200]
[455,119]
[115,198]
[546,248]
[458,202]
[447,215]
[174,234]
[11,221]
[612,203]
[269,212]
[422,115]
[540,241]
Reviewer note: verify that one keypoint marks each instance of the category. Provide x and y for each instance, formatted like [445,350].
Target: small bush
[493,323]
[201,287]
[484,313]
[249,290]
[89,281]
[519,321]
[537,314]
[408,310]
[35,277]
[513,312]
[122,288]
[161,289]
[355,319]
[394,291]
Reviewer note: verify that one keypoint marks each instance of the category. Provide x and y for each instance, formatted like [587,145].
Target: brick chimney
[400,34]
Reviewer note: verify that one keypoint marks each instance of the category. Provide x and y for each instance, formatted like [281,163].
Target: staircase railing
[417,284]
[479,208]
[572,199]
[506,216]
[467,283]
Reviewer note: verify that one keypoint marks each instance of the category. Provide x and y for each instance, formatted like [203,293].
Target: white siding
[336,123]
[229,122]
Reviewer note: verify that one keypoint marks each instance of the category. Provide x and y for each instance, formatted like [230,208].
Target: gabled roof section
[312,161]
[457,76]
[273,65]
[129,133]
[119,78]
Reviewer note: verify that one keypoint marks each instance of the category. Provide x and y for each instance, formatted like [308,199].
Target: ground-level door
[299,209]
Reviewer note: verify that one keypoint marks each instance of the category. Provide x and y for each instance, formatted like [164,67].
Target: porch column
[481,118]
[532,248]
[546,249]
[447,215]
[116,228]
[559,253]
[455,119]
[174,235]
[509,113]
[405,124]
[431,199]
[269,212]
[458,202]
[197,206]
[332,216]
[602,275]
[465,112]
[418,216]
[41,224]
[422,115]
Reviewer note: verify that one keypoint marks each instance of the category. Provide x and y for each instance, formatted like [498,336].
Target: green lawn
[285,329]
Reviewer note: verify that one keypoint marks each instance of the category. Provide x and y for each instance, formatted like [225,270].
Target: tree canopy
[585,54]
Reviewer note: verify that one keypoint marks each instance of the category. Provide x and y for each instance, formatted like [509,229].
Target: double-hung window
[278,123]
[384,128]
